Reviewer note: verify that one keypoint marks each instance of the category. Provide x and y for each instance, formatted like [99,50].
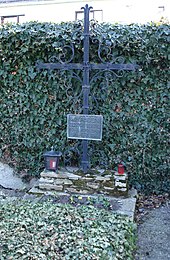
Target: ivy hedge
[34,104]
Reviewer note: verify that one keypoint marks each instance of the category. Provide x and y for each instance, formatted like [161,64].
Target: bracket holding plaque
[84,127]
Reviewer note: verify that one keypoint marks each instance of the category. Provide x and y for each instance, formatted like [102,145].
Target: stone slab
[60,175]
[46,180]
[9,180]
[36,191]
[126,205]
[121,189]
[120,184]
[51,187]
[102,178]
[94,186]
[108,188]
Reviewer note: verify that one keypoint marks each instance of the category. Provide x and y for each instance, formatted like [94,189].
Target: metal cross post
[86,67]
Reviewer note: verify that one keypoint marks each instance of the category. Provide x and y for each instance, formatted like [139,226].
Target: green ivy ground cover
[34,105]
[55,231]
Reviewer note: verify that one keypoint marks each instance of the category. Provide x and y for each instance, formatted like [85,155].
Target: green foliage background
[34,104]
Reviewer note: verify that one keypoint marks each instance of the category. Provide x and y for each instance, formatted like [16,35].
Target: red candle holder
[121,168]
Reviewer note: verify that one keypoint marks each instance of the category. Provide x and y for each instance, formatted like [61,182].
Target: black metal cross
[86,67]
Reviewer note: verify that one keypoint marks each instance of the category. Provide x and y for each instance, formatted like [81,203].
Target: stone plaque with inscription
[87,127]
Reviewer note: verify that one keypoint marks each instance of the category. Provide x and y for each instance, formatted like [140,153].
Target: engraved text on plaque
[88,127]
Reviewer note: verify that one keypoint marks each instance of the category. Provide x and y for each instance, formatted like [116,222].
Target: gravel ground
[154,235]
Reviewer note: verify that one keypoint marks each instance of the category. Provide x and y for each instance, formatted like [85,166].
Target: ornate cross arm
[112,66]
[61,66]
[90,66]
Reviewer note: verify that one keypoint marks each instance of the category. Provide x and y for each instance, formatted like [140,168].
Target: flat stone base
[95,182]
[124,206]
[108,183]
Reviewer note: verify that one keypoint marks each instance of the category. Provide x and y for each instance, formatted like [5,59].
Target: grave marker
[86,67]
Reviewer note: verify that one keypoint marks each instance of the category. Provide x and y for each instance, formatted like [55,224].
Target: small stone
[69,170]
[94,186]
[87,178]
[67,182]
[85,192]
[49,174]
[89,175]
[75,177]
[122,189]
[100,178]
[59,181]
[62,175]
[120,178]
[69,175]
[108,176]
[120,184]
[46,180]
[108,188]
[72,190]
[101,171]
[35,191]
[51,187]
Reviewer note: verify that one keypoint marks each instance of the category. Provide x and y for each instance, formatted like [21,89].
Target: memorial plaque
[87,127]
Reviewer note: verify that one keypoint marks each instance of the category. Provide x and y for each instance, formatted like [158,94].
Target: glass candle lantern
[51,159]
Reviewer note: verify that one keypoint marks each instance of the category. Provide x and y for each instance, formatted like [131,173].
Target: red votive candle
[121,169]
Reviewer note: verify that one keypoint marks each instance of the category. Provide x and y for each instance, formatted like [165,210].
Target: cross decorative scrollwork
[86,66]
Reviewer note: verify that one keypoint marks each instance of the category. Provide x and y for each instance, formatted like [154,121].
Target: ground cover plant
[45,230]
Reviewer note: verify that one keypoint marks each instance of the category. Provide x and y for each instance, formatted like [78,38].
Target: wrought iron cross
[86,67]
